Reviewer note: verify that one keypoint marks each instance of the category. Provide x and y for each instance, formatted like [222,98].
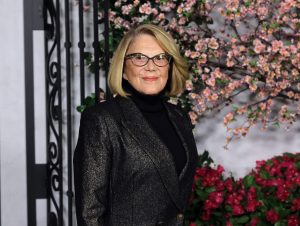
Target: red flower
[282,194]
[272,216]
[206,215]
[296,204]
[259,164]
[293,221]
[229,184]
[228,223]
[192,224]
[237,210]
[252,205]
[254,222]
[214,200]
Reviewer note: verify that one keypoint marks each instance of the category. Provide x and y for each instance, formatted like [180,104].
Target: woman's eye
[160,57]
[140,57]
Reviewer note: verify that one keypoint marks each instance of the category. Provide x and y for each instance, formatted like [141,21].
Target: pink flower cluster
[253,50]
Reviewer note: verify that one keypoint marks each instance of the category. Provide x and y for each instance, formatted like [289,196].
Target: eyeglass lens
[140,59]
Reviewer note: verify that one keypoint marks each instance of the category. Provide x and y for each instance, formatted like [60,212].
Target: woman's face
[148,79]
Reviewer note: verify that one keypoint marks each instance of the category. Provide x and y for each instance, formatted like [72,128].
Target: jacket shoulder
[101,109]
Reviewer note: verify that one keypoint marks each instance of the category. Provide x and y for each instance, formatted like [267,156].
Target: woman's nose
[150,65]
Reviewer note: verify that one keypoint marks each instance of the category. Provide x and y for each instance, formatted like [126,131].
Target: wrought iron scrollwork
[54,113]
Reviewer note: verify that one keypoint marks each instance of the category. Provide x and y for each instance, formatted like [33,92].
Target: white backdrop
[209,133]
[12,114]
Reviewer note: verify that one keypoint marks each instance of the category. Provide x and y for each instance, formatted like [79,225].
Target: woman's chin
[150,91]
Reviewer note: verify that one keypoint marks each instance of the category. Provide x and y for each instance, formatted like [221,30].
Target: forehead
[146,44]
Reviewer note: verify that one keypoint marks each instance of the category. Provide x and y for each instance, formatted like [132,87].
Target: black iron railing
[59,55]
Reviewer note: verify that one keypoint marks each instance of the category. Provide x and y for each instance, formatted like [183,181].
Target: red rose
[296,204]
[272,216]
[251,205]
[237,210]
[282,194]
[228,223]
[206,215]
[254,222]
[293,221]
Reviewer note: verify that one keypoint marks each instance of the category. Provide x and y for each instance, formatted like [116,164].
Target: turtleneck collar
[146,103]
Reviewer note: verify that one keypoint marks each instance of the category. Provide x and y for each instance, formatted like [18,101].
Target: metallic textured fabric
[124,175]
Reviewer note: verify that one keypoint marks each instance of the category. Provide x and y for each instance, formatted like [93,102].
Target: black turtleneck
[153,110]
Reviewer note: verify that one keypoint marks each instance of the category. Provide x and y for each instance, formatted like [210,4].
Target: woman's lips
[150,79]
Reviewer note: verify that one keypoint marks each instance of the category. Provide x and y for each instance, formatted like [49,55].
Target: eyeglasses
[139,59]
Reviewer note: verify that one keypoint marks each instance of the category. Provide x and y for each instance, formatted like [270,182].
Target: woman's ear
[125,76]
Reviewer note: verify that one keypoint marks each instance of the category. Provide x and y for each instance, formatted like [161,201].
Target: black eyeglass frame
[132,55]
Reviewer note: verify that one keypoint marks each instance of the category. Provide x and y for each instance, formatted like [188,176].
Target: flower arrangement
[234,48]
[268,195]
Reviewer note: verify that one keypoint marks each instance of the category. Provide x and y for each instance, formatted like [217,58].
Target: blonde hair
[179,69]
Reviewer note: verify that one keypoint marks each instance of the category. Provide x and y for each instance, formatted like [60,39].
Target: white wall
[12,115]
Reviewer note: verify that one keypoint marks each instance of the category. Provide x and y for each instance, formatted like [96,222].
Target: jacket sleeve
[92,170]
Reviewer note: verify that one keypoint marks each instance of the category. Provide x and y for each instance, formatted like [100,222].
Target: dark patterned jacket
[124,175]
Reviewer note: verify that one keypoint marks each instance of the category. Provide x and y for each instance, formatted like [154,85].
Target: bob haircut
[178,65]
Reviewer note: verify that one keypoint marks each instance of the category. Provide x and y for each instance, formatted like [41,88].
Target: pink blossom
[188,85]
[194,55]
[262,12]
[182,21]
[258,46]
[206,92]
[213,43]
[202,58]
[286,5]
[161,16]
[211,82]
[126,9]
[193,117]
[154,11]
[228,118]
[118,3]
[200,45]
[276,45]
[111,15]
[145,8]
[232,5]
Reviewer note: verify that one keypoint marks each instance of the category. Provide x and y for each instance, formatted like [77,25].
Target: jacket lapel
[184,130]
[149,141]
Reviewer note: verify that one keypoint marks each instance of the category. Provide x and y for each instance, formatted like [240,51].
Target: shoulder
[99,110]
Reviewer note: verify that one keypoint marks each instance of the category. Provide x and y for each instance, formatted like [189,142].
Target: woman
[136,156]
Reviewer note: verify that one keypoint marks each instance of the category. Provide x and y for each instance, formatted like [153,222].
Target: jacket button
[180,217]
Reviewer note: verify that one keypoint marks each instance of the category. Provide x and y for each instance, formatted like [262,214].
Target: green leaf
[274,25]
[242,220]
[297,165]
[280,223]
[264,174]
[209,189]
[253,63]
[248,3]
[282,212]
[249,181]
[202,194]
[228,208]
[81,108]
